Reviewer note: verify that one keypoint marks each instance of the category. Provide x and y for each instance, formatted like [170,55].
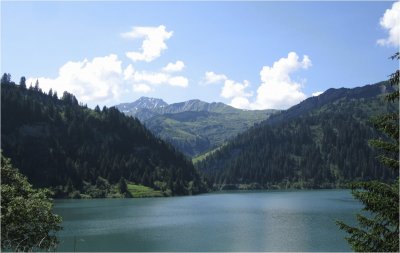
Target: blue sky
[252,55]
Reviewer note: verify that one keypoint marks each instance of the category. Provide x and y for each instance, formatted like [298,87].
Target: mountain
[142,108]
[60,144]
[145,107]
[320,143]
[370,91]
[194,127]
[196,132]
[196,105]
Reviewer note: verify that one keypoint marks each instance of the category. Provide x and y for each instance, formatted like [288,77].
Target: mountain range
[193,126]
[145,107]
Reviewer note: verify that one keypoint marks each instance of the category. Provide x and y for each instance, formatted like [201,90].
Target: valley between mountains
[151,148]
[194,127]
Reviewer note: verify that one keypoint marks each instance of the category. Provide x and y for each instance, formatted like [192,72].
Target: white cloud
[241,103]
[316,94]
[128,72]
[103,81]
[178,81]
[233,89]
[277,89]
[142,88]
[174,67]
[95,81]
[391,22]
[211,77]
[149,77]
[154,78]
[237,93]
[153,42]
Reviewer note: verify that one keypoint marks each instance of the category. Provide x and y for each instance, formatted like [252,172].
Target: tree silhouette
[379,231]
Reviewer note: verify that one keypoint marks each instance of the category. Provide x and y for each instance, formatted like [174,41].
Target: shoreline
[216,192]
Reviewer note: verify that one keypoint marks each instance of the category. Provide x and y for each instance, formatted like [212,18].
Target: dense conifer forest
[58,143]
[319,143]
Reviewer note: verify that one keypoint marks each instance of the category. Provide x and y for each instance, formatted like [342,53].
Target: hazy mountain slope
[58,143]
[321,142]
[146,107]
[197,132]
[194,126]
[196,105]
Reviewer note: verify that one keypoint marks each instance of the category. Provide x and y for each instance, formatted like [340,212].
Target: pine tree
[122,186]
[22,82]
[37,85]
[379,230]
[6,78]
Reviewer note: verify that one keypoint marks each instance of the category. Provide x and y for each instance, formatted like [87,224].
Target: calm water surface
[245,221]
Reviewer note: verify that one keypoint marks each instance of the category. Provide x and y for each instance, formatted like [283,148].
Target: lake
[232,221]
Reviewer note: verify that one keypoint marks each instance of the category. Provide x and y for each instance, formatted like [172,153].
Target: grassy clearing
[141,191]
[203,156]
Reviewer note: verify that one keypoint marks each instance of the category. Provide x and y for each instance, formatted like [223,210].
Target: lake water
[234,221]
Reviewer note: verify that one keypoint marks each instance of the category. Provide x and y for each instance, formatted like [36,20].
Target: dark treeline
[323,146]
[58,143]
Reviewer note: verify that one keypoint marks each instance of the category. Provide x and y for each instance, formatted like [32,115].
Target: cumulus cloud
[128,72]
[148,77]
[103,80]
[154,78]
[98,80]
[391,22]
[232,89]
[241,103]
[211,77]
[277,89]
[174,67]
[178,81]
[153,42]
[142,88]
[316,94]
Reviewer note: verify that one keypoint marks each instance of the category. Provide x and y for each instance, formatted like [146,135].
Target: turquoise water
[245,221]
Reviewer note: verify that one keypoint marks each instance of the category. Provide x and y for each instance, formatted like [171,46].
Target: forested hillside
[60,144]
[193,127]
[321,142]
[196,132]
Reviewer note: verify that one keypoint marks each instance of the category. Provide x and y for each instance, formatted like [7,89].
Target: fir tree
[123,187]
[22,82]
[6,78]
[379,230]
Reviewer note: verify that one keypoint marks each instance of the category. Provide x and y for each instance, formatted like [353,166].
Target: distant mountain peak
[143,103]
[150,102]
[195,101]
[147,107]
